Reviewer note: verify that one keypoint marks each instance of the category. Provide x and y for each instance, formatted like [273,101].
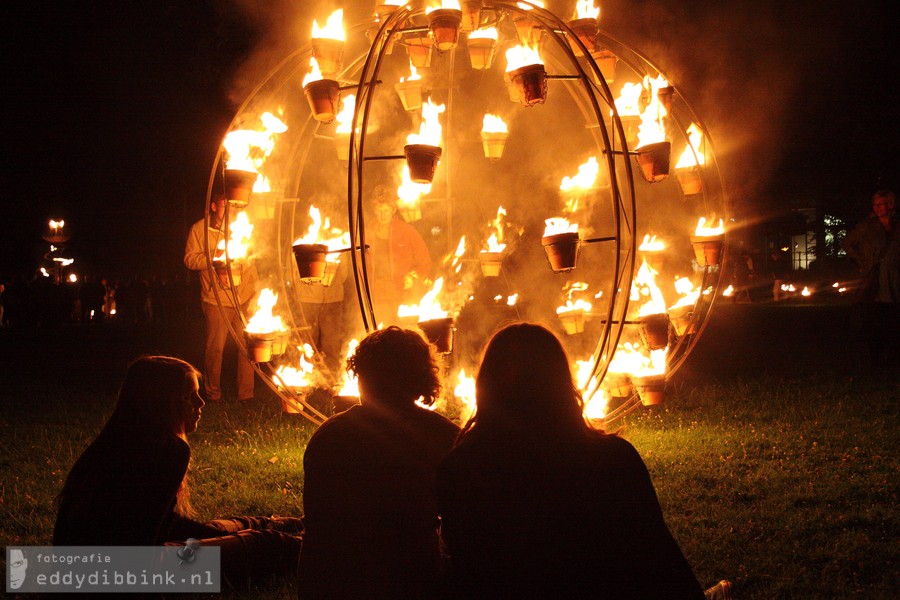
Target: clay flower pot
[239,185]
[310,261]
[531,84]
[490,263]
[279,344]
[328,54]
[410,93]
[618,385]
[562,251]
[439,332]
[707,250]
[324,96]
[471,14]
[445,24]
[654,330]
[493,143]
[683,322]
[572,320]
[586,31]
[606,62]
[422,160]
[419,50]
[651,389]
[690,181]
[654,161]
[481,52]
[259,346]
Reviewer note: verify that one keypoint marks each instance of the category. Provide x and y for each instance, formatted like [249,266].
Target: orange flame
[333,29]
[522,56]
[248,149]
[430,129]
[693,154]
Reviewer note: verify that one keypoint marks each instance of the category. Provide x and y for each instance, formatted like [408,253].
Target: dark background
[113,111]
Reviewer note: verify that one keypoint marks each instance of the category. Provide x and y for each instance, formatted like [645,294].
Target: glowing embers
[423,150]
[328,44]
[323,94]
[481,45]
[707,243]
[494,133]
[444,24]
[561,244]
[526,75]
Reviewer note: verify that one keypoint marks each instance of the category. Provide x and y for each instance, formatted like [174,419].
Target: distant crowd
[39,301]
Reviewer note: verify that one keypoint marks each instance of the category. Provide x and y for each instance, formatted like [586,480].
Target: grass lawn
[783,480]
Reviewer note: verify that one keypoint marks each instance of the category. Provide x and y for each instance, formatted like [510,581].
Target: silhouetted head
[883,203]
[159,392]
[395,367]
[525,383]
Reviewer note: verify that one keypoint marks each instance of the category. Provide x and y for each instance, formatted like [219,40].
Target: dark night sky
[113,111]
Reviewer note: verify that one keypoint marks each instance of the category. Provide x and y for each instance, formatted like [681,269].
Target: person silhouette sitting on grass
[130,487]
[370,503]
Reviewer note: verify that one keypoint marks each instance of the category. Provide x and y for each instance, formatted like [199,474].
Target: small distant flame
[729,291]
[645,290]
[585,9]
[579,304]
[239,244]
[522,56]
[74,278]
[585,179]
[511,300]
[63,262]
[315,73]
[428,308]
[333,29]
[628,104]
[409,192]
[413,74]
[488,33]
[345,116]
[493,124]
[350,385]
[704,230]
[430,129]
[556,225]
[495,242]
[263,321]
[693,155]
[57,225]
[805,292]
[689,294]
[248,149]
[651,244]
[297,377]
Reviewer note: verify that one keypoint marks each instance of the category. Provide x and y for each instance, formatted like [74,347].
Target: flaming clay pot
[586,31]
[656,259]
[606,62]
[328,53]
[481,52]
[490,263]
[651,389]
[372,33]
[707,250]
[689,179]
[341,403]
[572,320]
[654,161]
[221,268]
[422,160]
[410,93]
[279,344]
[239,185]
[682,319]
[511,89]
[342,146]
[471,14]
[419,50]
[259,346]
[324,97]
[618,385]
[444,24]
[439,332]
[562,251]
[631,124]
[310,261]
[531,83]
[528,30]
[289,406]
[493,143]
[654,330]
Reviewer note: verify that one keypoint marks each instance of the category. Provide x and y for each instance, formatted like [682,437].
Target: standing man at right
[217,320]
[874,245]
